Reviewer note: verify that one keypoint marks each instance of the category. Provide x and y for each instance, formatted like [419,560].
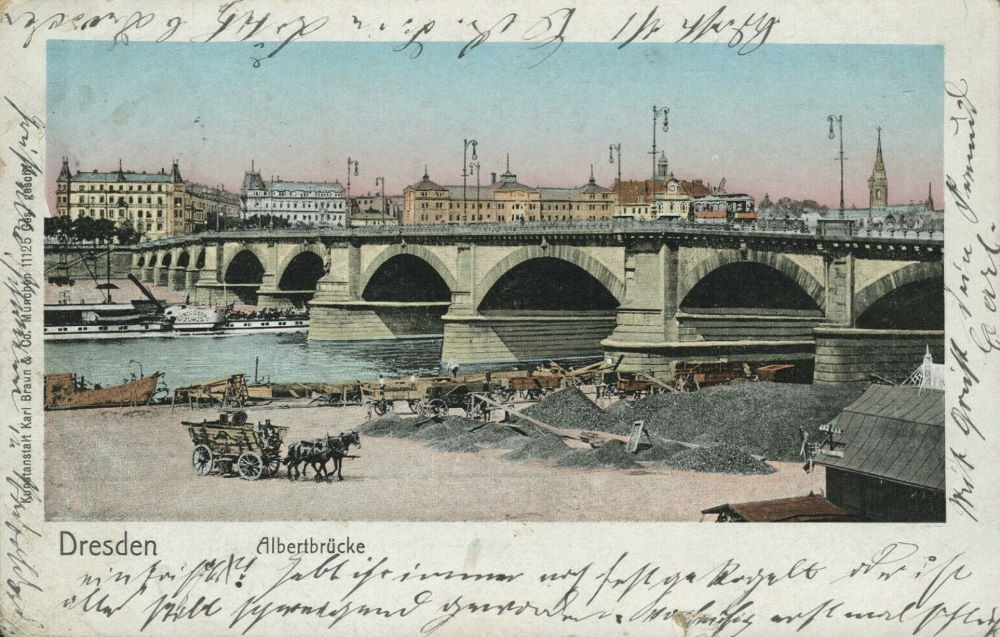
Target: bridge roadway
[657,293]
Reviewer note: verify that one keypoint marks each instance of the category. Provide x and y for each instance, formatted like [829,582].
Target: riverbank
[135,464]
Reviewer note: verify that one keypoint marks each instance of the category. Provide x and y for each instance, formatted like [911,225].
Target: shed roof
[807,508]
[893,433]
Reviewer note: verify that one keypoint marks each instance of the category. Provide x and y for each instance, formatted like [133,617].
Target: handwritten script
[727,598]
[975,344]
[21,290]
[269,32]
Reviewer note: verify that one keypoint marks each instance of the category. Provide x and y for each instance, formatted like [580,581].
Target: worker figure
[413,380]
[487,384]
[381,382]
[357,389]
[453,366]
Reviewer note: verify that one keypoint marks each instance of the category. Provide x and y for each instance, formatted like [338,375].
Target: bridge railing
[769,227]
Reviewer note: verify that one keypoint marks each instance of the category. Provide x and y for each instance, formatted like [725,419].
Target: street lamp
[617,148]
[657,112]
[475,166]
[466,143]
[381,181]
[351,163]
[840,132]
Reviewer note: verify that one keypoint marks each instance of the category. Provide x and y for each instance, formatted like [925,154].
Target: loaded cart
[231,445]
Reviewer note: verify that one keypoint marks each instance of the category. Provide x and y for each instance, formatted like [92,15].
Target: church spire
[930,198]
[878,183]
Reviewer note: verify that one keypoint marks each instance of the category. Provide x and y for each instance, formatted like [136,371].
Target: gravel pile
[570,409]
[661,453]
[538,448]
[612,454]
[719,459]
[760,418]
[460,444]
[389,425]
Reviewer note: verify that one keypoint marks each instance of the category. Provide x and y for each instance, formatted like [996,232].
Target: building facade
[375,210]
[154,204]
[302,203]
[505,200]
[210,203]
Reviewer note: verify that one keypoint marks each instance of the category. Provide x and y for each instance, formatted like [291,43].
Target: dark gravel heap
[460,444]
[545,447]
[389,425]
[660,453]
[719,459]
[760,418]
[612,454]
[570,409]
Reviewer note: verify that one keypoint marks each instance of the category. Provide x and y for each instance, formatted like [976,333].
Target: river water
[282,358]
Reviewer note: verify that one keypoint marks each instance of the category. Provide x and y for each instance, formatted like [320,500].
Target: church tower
[878,187]
[661,168]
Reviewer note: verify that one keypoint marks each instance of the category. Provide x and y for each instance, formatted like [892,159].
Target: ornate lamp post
[351,163]
[617,148]
[466,143]
[657,112]
[474,166]
[840,132]
[380,181]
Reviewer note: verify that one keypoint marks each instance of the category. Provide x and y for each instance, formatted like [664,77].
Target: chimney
[493,178]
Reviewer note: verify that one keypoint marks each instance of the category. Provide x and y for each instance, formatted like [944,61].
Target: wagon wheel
[438,407]
[271,464]
[202,460]
[413,404]
[250,465]
[381,406]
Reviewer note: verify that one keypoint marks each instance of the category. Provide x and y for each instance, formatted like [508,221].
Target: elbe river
[282,358]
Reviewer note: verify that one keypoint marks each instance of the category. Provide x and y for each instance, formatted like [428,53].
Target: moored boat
[65,391]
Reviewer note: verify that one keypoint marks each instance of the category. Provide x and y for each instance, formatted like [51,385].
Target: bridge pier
[190,279]
[365,320]
[146,274]
[524,337]
[176,276]
[846,355]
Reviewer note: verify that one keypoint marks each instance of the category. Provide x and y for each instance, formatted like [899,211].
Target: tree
[126,234]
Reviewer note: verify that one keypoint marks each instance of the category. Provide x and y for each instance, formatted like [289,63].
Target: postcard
[480,318]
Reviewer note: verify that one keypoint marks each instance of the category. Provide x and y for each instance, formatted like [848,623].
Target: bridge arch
[142,261]
[183,259]
[152,259]
[792,271]
[418,251]
[199,261]
[302,271]
[406,278]
[911,297]
[316,249]
[244,267]
[575,256]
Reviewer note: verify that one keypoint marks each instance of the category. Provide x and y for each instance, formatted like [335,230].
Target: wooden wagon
[533,387]
[231,445]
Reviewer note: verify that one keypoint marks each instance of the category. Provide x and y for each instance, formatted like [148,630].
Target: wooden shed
[885,456]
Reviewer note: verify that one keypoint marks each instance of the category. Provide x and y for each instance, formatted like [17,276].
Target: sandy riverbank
[135,464]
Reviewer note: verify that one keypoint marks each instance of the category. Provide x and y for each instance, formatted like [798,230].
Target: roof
[894,433]
[808,508]
[629,191]
[304,185]
[426,184]
[95,176]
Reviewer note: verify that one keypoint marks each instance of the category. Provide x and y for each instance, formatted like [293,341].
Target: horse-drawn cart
[231,445]
[533,387]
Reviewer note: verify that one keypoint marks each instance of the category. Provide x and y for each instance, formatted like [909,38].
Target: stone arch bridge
[654,295]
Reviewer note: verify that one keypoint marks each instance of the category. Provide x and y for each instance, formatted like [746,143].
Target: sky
[758,120]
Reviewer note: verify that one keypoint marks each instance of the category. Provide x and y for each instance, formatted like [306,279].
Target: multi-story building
[309,203]
[375,210]
[212,203]
[156,204]
[504,200]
